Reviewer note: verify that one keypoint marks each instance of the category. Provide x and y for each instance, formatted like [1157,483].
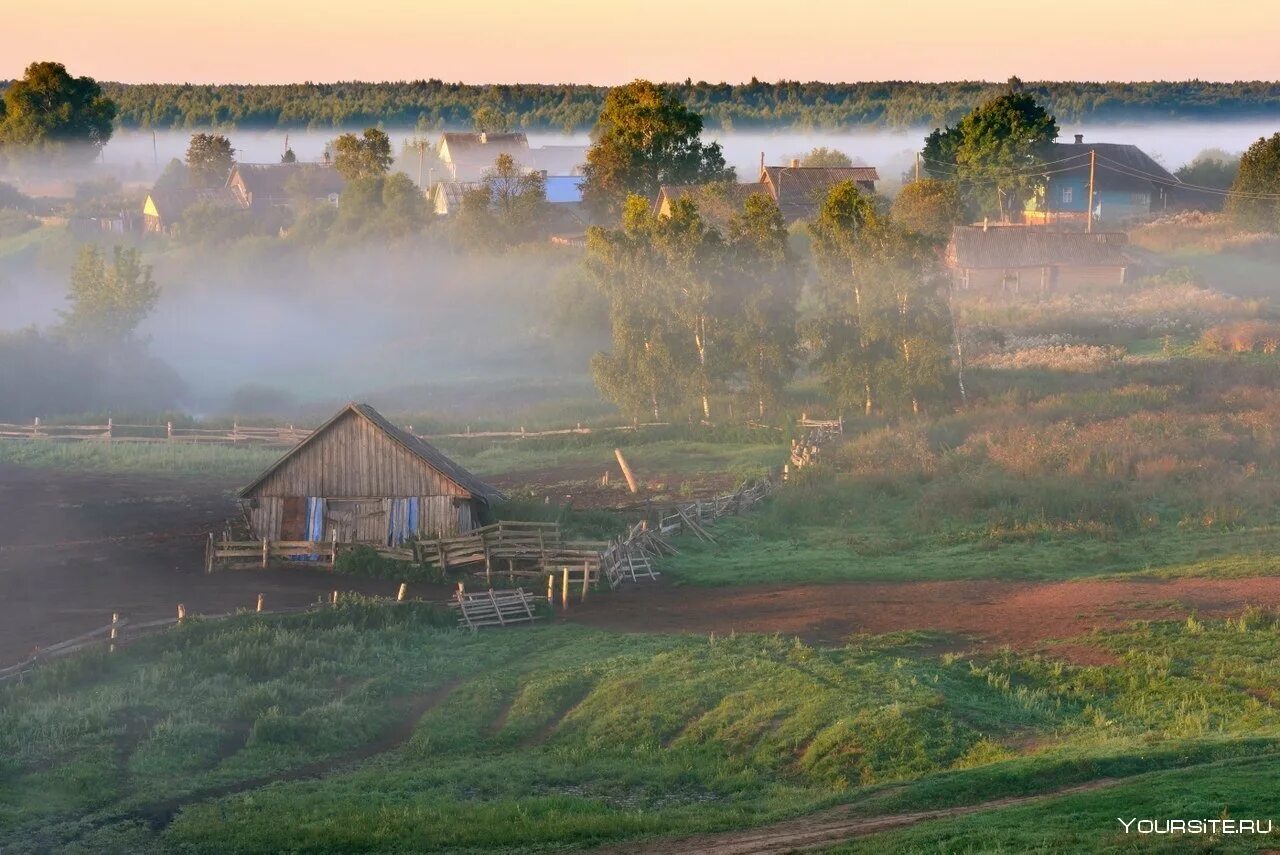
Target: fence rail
[289,435]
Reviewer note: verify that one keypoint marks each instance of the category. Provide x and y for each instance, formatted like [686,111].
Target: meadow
[372,725]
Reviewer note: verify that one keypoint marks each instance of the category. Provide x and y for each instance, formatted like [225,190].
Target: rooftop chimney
[1079,139]
[795,163]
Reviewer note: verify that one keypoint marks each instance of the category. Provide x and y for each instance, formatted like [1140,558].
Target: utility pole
[917,166]
[155,153]
[421,148]
[1093,162]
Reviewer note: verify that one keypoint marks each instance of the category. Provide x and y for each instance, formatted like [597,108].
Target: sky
[612,41]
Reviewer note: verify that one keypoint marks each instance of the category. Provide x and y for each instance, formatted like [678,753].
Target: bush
[1242,337]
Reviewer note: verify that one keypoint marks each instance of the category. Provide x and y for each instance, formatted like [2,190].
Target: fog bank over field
[893,151]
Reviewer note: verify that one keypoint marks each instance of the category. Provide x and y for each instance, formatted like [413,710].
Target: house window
[1068,195]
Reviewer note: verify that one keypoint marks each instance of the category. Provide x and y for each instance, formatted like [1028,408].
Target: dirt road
[990,613]
[75,547]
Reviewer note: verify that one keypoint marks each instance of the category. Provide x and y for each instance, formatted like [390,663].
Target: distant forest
[434,104]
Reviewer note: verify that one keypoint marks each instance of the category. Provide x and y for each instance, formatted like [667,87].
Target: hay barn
[361,479]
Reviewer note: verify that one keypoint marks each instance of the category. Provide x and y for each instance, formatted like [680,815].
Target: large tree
[881,331]
[209,160]
[509,207]
[365,156]
[645,137]
[49,112]
[1255,200]
[929,207]
[995,152]
[109,297]
[765,286]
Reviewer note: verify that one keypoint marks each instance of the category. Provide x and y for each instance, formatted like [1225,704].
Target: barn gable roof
[415,445]
[976,248]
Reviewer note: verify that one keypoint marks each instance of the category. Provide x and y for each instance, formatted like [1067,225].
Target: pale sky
[611,41]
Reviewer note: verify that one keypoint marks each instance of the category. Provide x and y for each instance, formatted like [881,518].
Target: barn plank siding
[359,462]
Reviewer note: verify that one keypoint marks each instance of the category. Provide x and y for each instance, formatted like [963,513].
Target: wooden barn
[361,479]
[1028,258]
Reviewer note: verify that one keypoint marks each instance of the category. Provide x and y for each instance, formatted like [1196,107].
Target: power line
[1134,172]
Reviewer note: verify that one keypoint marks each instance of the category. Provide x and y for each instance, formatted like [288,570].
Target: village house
[1127,185]
[1014,258]
[261,187]
[717,201]
[359,478]
[164,207]
[799,191]
[468,156]
[563,192]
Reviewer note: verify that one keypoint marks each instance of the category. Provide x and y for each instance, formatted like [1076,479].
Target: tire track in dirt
[161,814]
[825,828]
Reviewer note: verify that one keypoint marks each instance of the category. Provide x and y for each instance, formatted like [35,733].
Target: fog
[418,322]
[892,150]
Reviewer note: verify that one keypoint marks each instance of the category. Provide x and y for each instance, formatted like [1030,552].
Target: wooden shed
[361,479]
[1016,258]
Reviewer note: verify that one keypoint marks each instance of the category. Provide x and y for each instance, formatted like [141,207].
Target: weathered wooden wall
[354,460]
[1031,280]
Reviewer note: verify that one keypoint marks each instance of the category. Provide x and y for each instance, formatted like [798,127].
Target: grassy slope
[560,736]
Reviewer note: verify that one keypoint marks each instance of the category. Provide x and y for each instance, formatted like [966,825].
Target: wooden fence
[493,608]
[114,432]
[121,631]
[289,435]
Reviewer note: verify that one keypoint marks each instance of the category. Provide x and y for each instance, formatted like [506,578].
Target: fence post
[35,426]
[168,431]
[564,589]
[115,632]
[551,589]
[334,598]
[182,612]
[261,602]
[404,587]
[333,549]
[110,427]
[264,553]
[208,554]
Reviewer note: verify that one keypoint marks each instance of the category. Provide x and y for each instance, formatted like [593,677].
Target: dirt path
[991,613]
[825,828]
[76,546]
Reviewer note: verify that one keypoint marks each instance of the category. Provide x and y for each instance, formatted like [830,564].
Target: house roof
[718,201]
[415,445]
[1004,247]
[799,190]
[1117,168]
[272,180]
[457,147]
[452,192]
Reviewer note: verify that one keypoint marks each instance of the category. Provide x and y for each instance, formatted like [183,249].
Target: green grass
[141,458]
[648,458]
[562,737]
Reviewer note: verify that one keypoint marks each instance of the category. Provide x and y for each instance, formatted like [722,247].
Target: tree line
[435,104]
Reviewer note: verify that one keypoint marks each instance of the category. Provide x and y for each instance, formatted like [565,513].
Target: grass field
[563,737]
[659,454]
